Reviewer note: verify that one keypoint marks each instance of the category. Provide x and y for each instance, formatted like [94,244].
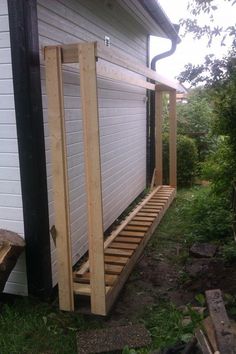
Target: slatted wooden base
[123,248]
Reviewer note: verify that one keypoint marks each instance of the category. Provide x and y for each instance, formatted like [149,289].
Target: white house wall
[122,111]
[11,212]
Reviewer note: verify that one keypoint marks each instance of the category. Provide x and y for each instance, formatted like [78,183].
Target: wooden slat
[119,252]
[151,209]
[88,88]
[172,139]
[121,245]
[143,213]
[132,227]
[115,260]
[110,279]
[56,120]
[158,137]
[132,233]
[128,239]
[139,223]
[84,289]
[113,269]
[144,218]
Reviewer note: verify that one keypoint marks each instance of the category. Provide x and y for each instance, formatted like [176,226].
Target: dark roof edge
[160,17]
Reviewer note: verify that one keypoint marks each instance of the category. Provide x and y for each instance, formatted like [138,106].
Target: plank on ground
[225,338]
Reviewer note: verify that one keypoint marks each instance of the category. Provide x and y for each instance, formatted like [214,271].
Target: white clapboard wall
[11,212]
[122,111]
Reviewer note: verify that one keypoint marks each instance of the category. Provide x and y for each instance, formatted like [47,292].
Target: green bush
[220,167]
[210,217]
[187,159]
[229,251]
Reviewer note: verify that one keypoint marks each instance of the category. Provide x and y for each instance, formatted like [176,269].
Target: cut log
[11,246]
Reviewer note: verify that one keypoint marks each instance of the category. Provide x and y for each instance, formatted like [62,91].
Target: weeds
[169,325]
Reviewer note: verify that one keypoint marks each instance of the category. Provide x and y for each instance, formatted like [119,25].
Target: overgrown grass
[30,326]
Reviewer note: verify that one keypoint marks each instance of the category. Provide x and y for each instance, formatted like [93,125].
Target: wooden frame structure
[128,241]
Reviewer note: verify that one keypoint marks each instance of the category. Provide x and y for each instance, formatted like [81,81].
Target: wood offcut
[11,246]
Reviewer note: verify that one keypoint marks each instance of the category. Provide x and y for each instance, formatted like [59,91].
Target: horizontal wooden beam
[118,74]
[117,57]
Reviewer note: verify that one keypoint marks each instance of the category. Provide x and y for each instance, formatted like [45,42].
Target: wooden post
[172,139]
[59,173]
[158,136]
[88,83]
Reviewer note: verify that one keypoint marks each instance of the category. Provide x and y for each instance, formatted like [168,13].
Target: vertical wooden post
[56,121]
[88,86]
[158,136]
[172,139]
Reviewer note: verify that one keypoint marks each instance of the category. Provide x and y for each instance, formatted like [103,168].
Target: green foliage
[229,251]
[127,350]
[195,120]
[169,325]
[29,326]
[209,29]
[210,217]
[220,167]
[186,159]
[200,298]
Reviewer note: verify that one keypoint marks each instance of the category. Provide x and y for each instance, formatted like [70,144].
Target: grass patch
[169,325]
[30,326]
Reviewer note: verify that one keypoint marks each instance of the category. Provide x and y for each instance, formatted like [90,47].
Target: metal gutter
[159,16]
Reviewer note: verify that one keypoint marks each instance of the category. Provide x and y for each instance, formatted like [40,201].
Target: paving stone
[203,250]
[112,339]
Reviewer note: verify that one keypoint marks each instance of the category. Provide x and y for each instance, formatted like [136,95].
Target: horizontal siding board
[4,23]
[11,211]
[122,110]
[4,39]
[5,55]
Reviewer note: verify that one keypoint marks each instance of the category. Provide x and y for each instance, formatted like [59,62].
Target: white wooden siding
[11,211]
[122,111]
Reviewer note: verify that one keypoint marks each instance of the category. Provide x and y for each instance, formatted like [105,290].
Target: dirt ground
[157,277]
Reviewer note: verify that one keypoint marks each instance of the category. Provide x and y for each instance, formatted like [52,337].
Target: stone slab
[203,250]
[112,339]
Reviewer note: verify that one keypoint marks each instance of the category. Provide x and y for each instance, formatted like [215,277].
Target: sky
[189,50]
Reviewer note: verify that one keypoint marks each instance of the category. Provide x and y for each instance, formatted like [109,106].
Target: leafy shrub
[187,159]
[220,167]
[210,216]
[229,251]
